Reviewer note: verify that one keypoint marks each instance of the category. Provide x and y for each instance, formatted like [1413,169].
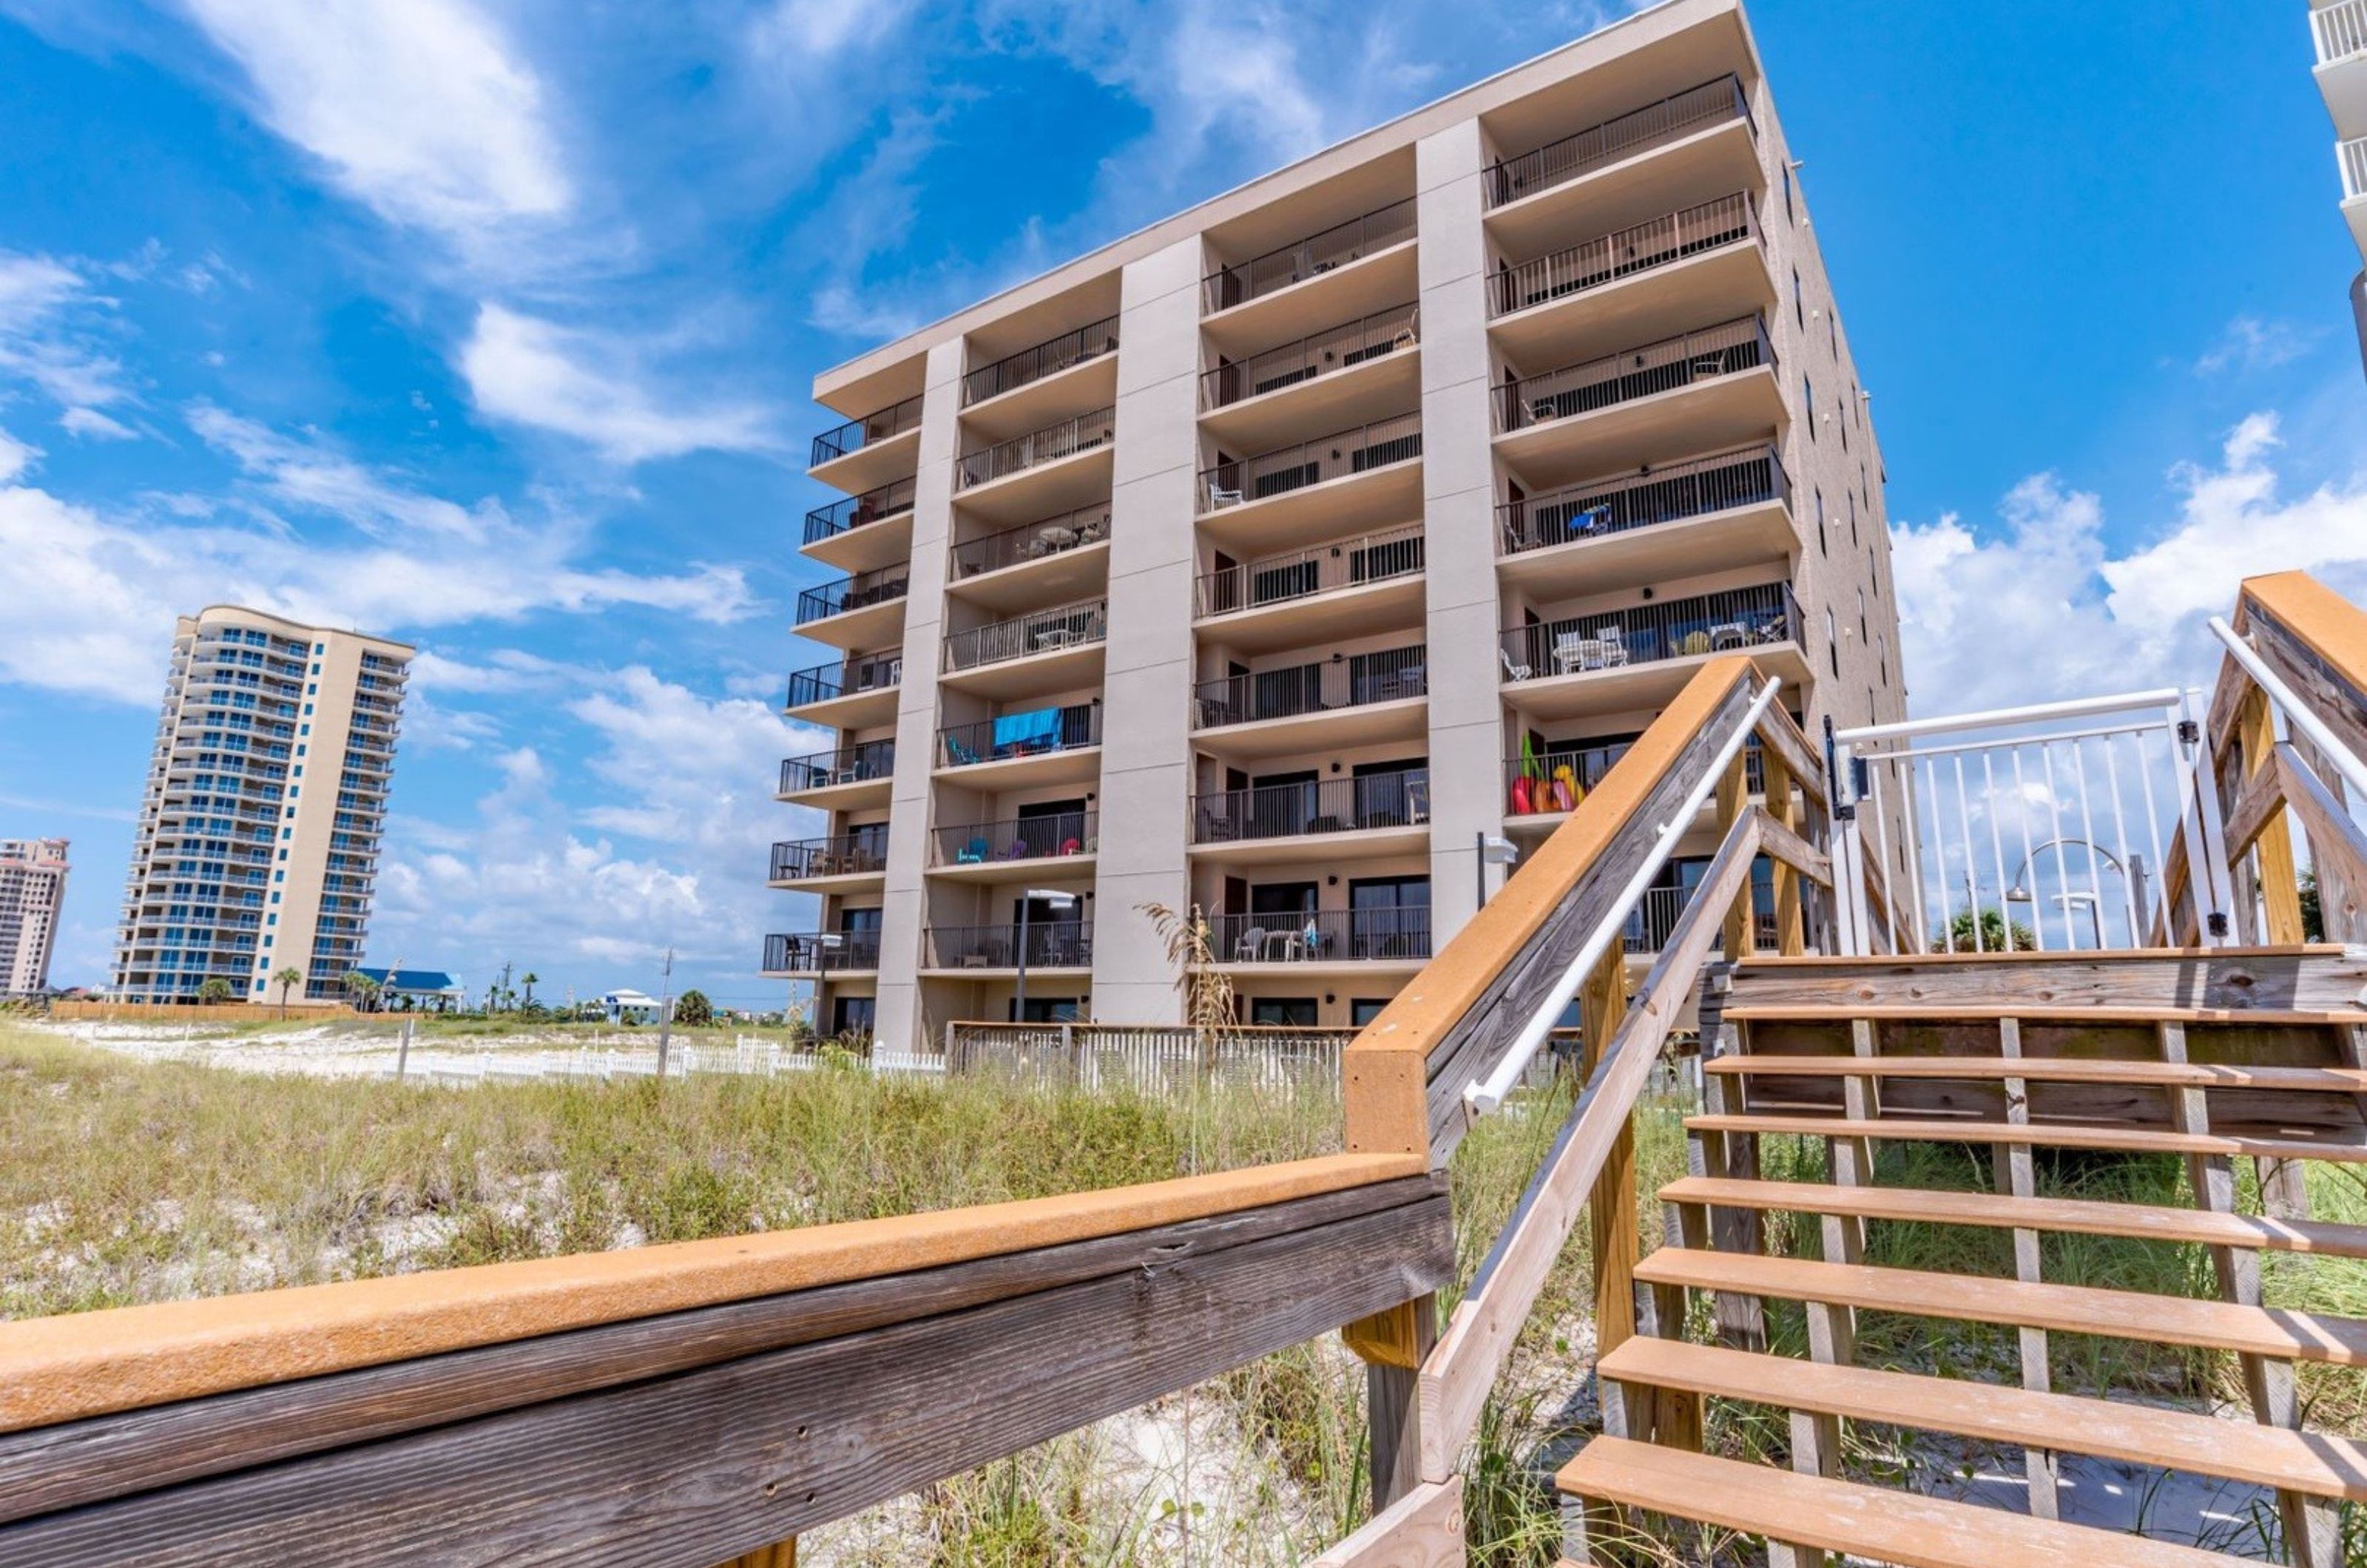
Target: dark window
[858,920]
[1809,404]
[853,1015]
[1388,917]
[1283,898]
[1283,1012]
[1799,299]
[1045,1009]
[1363,1009]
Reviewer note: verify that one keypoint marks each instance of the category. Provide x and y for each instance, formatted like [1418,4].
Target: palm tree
[528,980]
[364,989]
[214,991]
[290,975]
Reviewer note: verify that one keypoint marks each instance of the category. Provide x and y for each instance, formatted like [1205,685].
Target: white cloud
[2042,607]
[92,425]
[580,384]
[814,31]
[16,458]
[49,335]
[2250,344]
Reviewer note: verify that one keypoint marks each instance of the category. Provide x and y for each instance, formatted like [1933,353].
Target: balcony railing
[1669,494]
[1039,631]
[1337,349]
[861,852]
[1737,619]
[1631,133]
[1028,734]
[1654,918]
[1276,580]
[1050,944]
[1033,541]
[870,430]
[848,677]
[858,763]
[1317,254]
[1047,359]
[1321,936]
[859,510]
[1037,448]
[1370,446]
[2341,30]
[1019,838]
[2354,157]
[1399,798]
[860,591]
[1659,243]
[820,952]
[1557,777]
[1355,681]
[1726,349]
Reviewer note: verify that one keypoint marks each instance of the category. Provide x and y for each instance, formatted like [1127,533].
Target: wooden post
[1603,1006]
[2280,880]
[1790,939]
[1732,800]
[1392,1345]
[2017,1173]
[780,1554]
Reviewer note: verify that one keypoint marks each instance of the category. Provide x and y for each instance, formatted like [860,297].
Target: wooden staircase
[2052,1066]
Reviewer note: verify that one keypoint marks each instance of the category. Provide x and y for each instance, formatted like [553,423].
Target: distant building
[32,888]
[431,990]
[2340,28]
[632,1007]
[259,831]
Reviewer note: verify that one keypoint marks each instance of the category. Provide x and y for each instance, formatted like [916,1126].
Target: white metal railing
[2352,156]
[2341,30]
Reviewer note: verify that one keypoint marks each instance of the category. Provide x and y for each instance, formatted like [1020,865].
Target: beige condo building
[32,891]
[1280,558]
[259,830]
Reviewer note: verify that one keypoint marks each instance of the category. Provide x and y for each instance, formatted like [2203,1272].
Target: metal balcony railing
[1399,798]
[820,952]
[2353,155]
[858,763]
[859,510]
[1729,220]
[1037,448]
[1033,541]
[1039,631]
[1726,349]
[847,677]
[863,852]
[870,430]
[1361,450]
[1047,359]
[2340,30]
[1050,944]
[1669,494]
[1562,773]
[1400,931]
[1319,569]
[1027,734]
[1019,838]
[1737,619]
[860,591]
[1317,254]
[1318,686]
[1319,354]
[1673,117]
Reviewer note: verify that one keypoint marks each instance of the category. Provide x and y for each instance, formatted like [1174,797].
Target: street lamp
[2019,894]
[1494,851]
[1026,902]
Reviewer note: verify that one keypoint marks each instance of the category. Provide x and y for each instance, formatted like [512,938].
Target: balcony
[2352,156]
[848,692]
[1546,784]
[1072,367]
[1715,388]
[1052,558]
[870,451]
[837,864]
[863,531]
[854,775]
[1318,595]
[1058,745]
[854,611]
[1648,281]
[2340,31]
[981,851]
[979,951]
[1596,660]
[1047,650]
[1398,936]
[820,952]
[1369,474]
[1344,374]
[1060,465]
[1604,176]
[1369,813]
[1620,533]
[1349,269]
[1340,701]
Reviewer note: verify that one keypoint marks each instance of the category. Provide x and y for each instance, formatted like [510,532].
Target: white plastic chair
[1513,672]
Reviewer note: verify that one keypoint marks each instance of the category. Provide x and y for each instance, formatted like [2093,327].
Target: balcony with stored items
[1293,702]
[1009,848]
[1292,810]
[1031,655]
[1648,526]
[849,692]
[863,454]
[860,611]
[1341,272]
[1619,171]
[1029,746]
[1564,662]
[1042,383]
[1546,780]
[862,532]
[1368,476]
[1715,388]
[1315,594]
[1642,283]
[1392,935]
[852,862]
[808,954]
[1055,468]
[1042,561]
[854,776]
[979,952]
[1343,375]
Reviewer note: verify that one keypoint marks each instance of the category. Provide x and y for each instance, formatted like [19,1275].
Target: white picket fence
[746,1057]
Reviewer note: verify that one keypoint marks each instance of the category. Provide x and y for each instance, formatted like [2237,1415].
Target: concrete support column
[900,1023]
[1466,730]
[1146,750]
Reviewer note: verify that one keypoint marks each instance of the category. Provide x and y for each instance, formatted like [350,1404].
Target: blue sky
[488,324]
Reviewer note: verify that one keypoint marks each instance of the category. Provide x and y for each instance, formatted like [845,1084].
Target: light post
[2019,894]
[1493,851]
[1026,902]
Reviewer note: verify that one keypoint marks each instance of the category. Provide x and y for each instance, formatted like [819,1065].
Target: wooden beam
[2336,847]
[1781,745]
[2317,640]
[2280,875]
[1392,1403]
[780,1554]
[1793,855]
[1611,1205]
[685,1470]
[1739,929]
[1784,819]
[1421,1530]
[2325,980]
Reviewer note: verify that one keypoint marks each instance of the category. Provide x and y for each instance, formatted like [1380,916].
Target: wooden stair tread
[2314,1462]
[2039,1134]
[2045,1069]
[2034,1011]
[2086,1216]
[1843,1516]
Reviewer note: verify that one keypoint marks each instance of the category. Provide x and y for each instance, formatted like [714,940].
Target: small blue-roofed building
[413,990]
